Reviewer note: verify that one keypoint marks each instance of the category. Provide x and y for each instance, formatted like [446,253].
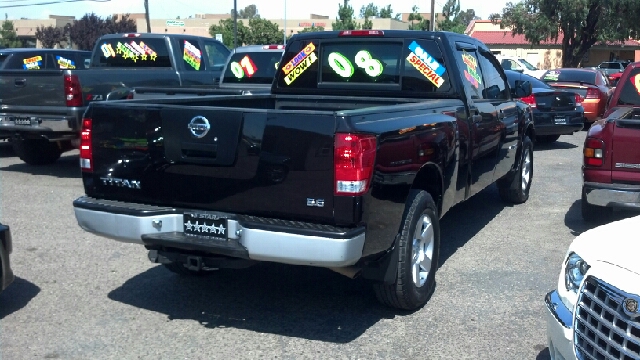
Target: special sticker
[64,63]
[426,64]
[471,73]
[32,63]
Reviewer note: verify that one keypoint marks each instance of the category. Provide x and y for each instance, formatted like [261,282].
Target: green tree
[345,20]
[452,19]
[263,32]
[85,32]
[50,36]
[417,21]
[225,27]
[578,24]
[249,12]
[8,36]
[386,12]
[313,28]
[467,16]
[368,11]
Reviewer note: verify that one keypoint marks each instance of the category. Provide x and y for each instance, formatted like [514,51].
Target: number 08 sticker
[342,66]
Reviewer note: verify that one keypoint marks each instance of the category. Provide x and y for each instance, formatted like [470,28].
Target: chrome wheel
[526,169]
[423,243]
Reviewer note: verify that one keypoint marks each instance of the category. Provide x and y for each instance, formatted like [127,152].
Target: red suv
[611,168]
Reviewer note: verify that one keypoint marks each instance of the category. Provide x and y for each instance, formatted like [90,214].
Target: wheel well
[429,179]
[530,132]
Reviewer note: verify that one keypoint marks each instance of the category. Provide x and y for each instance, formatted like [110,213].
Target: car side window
[495,83]
[217,54]
[191,55]
[471,72]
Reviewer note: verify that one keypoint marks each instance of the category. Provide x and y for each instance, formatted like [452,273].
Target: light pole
[235,24]
[432,25]
[285,22]
[146,15]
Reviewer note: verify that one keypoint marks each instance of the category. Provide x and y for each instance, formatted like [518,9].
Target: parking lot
[79,296]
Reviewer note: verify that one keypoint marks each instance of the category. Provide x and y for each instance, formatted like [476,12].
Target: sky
[268,9]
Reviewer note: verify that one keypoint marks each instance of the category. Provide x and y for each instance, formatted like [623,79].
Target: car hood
[616,243]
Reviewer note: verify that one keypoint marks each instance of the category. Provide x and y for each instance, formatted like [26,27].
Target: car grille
[601,328]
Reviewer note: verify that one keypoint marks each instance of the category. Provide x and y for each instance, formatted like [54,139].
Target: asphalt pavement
[80,296]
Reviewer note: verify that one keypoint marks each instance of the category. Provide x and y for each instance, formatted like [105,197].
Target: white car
[519,64]
[594,313]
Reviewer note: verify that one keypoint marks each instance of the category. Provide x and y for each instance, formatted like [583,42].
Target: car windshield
[569,75]
[527,64]
[258,67]
[610,65]
[630,90]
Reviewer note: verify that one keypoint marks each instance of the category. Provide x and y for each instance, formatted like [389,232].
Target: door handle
[501,115]
[20,82]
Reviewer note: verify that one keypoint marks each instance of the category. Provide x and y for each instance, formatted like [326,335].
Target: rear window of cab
[132,53]
[413,65]
[34,60]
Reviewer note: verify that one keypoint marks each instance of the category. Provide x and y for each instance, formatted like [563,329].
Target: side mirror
[522,89]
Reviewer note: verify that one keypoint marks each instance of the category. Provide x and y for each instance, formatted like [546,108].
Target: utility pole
[432,22]
[285,22]
[146,15]
[235,24]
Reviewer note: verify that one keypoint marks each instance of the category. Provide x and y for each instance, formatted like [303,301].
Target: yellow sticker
[302,67]
[298,58]
[425,70]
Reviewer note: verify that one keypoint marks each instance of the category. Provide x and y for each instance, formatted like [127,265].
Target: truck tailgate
[626,148]
[32,88]
[240,161]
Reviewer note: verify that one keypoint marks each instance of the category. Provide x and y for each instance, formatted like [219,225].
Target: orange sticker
[636,82]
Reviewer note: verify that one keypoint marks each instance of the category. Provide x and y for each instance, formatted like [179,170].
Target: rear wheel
[545,139]
[516,189]
[36,151]
[419,248]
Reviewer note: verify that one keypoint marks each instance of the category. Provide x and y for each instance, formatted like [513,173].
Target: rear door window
[191,55]
[471,73]
[132,53]
[252,67]
[217,54]
[630,89]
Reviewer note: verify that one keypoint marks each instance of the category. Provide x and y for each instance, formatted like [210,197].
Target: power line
[48,3]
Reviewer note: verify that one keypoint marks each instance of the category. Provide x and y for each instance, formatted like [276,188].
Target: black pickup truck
[367,139]
[42,110]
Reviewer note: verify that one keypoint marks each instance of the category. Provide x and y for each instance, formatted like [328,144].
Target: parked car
[611,169]
[612,67]
[555,112]
[42,110]
[249,70]
[6,247]
[614,78]
[367,139]
[520,65]
[594,312]
[592,85]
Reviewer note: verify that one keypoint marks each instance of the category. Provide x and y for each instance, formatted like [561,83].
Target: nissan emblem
[199,126]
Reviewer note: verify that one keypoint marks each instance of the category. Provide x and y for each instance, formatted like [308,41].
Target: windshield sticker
[192,55]
[636,82]
[302,55]
[471,73]
[552,75]
[134,51]
[32,63]
[426,58]
[425,69]
[65,63]
[246,66]
[344,68]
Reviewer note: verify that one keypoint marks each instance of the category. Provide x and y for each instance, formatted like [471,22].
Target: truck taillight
[579,99]
[592,94]
[354,158]
[72,90]
[531,100]
[361,33]
[593,152]
[273,47]
[86,151]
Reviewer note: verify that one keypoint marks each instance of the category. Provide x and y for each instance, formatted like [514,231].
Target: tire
[36,151]
[593,213]
[414,283]
[517,189]
[180,269]
[546,139]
